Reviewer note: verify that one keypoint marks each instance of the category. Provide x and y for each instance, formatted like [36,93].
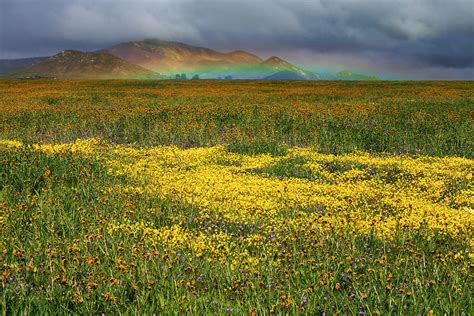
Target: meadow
[236,197]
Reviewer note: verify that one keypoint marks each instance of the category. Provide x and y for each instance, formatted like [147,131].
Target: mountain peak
[237,52]
[275,60]
[243,56]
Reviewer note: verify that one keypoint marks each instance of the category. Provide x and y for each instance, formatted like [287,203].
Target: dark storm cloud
[424,33]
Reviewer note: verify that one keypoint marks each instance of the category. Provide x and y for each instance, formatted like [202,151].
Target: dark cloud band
[428,33]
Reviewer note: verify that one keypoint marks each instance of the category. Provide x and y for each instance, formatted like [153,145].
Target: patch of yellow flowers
[253,205]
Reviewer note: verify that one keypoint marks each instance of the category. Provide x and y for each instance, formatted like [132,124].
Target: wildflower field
[246,197]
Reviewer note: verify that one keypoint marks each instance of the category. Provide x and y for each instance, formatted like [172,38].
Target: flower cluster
[304,230]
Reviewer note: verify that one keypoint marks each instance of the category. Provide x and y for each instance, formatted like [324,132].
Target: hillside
[72,64]
[282,69]
[172,57]
[286,75]
[12,65]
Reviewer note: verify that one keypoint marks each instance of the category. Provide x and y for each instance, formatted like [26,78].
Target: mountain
[12,65]
[277,63]
[170,58]
[282,68]
[349,75]
[72,64]
[173,57]
[157,59]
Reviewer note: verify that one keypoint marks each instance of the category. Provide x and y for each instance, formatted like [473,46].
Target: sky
[410,39]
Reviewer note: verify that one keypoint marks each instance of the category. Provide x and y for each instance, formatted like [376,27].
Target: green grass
[290,168]
[57,256]
[53,202]
[433,118]
[257,148]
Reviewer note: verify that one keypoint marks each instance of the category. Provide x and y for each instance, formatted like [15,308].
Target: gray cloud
[430,35]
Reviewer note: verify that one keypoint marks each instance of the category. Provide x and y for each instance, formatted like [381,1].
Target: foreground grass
[431,118]
[92,227]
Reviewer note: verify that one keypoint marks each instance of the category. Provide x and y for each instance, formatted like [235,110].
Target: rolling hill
[285,71]
[72,64]
[170,58]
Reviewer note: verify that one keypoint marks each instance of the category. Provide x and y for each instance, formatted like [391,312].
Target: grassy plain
[166,197]
[433,118]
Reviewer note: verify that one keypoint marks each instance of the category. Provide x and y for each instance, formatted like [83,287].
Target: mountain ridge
[160,59]
[169,57]
[73,64]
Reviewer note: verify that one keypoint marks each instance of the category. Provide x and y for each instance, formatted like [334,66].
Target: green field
[433,118]
[239,197]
